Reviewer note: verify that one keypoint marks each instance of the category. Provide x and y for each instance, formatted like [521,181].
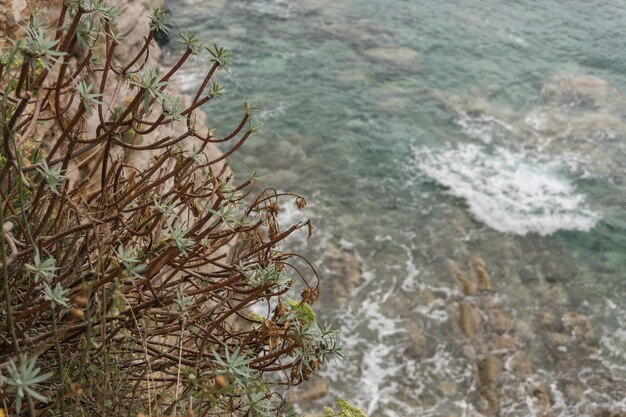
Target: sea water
[428,131]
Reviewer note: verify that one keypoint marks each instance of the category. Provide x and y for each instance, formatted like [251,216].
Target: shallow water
[427,131]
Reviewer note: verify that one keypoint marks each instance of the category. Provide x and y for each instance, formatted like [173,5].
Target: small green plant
[302,311]
[42,269]
[236,365]
[52,176]
[344,409]
[130,261]
[56,295]
[23,380]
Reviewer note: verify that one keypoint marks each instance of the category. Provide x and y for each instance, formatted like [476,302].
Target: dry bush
[130,256]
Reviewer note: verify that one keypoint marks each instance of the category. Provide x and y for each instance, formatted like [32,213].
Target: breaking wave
[507,191]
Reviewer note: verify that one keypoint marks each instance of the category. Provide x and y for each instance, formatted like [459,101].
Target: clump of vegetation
[344,409]
[128,249]
[302,311]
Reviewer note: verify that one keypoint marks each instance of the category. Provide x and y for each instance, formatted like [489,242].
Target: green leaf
[22,380]
[58,295]
[129,260]
[88,98]
[52,176]
[182,300]
[45,269]
[179,240]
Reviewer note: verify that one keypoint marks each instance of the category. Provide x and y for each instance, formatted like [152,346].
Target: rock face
[133,26]
[13,12]
[309,391]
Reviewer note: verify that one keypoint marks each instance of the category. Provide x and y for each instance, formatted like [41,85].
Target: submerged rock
[491,397]
[548,121]
[500,343]
[361,30]
[468,319]
[449,387]
[520,365]
[556,294]
[576,88]
[499,321]
[427,297]
[596,126]
[558,340]
[611,413]
[578,325]
[417,341]
[489,370]
[469,287]
[489,374]
[542,398]
[550,322]
[480,269]
[399,56]
[344,275]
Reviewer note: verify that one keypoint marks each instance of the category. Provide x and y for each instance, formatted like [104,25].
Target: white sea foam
[508,191]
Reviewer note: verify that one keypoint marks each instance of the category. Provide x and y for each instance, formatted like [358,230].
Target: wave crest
[507,191]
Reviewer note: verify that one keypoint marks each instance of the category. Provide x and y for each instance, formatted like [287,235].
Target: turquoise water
[427,131]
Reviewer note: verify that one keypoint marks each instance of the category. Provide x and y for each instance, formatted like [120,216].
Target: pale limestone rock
[16,12]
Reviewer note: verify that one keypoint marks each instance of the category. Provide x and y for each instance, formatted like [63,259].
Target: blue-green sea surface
[428,134]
